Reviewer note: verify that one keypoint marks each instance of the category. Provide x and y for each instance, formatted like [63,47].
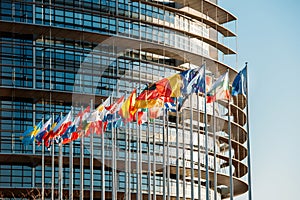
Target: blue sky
[268,38]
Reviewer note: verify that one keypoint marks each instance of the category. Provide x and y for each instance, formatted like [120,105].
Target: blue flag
[29,135]
[193,81]
[115,124]
[68,133]
[239,85]
[170,106]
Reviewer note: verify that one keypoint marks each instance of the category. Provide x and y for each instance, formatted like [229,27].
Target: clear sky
[268,38]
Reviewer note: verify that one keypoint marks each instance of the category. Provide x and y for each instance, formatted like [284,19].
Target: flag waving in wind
[112,117]
[219,89]
[166,88]
[127,110]
[29,135]
[115,107]
[48,135]
[62,126]
[239,85]
[101,108]
[44,130]
[193,80]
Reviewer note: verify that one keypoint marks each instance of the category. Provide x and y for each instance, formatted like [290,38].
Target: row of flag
[150,104]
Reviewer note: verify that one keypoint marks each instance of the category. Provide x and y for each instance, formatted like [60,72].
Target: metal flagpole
[164,158]
[137,161]
[81,164]
[60,171]
[248,139]
[114,141]
[126,160]
[140,162]
[149,160]
[53,167]
[177,154]
[191,147]
[139,129]
[199,147]
[199,138]
[92,156]
[154,162]
[230,159]
[214,146]
[129,160]
[43,170]
[230,148]
[149,157]
[168,157]
[113,161]
[183,154]
[71,163]
[206,141]
[215,154]
[103,165]
[50,85]
[115,189]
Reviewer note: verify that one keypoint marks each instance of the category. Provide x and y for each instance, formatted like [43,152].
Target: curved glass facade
[57,56]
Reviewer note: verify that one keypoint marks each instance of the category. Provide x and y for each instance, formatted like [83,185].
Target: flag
[112,118]
[85,113]
[145,101]
[128,110]
[29,135]
[67,135]
[101,108]
[100,127]
[75,130]
[173,88]
[118,123]
[115,107]
[94,116]
[157,110]
[114,121]
[62,126]
[48,135]
[193,81]
[170,107]
[142,116]
[81,120]
[95,124]
[166,88]
[44,130]
[239,85]
[219,89]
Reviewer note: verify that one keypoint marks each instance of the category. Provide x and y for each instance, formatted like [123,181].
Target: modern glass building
[62,55]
